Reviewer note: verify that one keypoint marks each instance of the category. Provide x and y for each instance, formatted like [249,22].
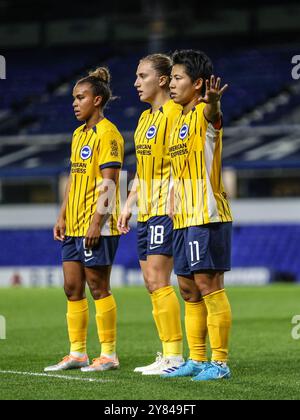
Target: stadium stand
[43,99]
[44,96]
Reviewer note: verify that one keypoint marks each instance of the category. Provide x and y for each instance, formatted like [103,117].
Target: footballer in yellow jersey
[195,150]
[99,148]
[153,159]
[87,225]
[152,191]
[202,217]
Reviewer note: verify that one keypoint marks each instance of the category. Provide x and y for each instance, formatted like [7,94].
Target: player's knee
[146,281]
[190,295]
[98,292]
[154,286]
[206,287]
[73,293]
[148,287]
[155,283]
[157,278]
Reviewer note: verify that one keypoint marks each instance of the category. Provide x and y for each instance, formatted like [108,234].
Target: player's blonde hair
[161,63]
[99,80]
[101,73]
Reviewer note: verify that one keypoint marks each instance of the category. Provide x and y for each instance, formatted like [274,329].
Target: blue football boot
[189,368]
[214,370]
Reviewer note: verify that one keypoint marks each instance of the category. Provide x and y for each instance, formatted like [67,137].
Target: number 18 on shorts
[155,237]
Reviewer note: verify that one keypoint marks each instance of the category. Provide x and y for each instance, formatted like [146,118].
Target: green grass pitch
[264,358]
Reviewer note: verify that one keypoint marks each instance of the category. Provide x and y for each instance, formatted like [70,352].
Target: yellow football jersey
[196,155]
[153,159]
[99,148]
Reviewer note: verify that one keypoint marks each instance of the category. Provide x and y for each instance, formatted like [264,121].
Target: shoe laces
[65,359]
[159,357]
[102,360]
[221,365]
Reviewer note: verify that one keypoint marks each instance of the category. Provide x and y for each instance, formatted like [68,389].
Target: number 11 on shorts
[195,251]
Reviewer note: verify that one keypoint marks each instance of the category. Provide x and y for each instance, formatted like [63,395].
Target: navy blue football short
[73,249]
[155,237]
[201,248]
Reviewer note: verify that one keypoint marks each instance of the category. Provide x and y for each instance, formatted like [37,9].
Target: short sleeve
[111,152]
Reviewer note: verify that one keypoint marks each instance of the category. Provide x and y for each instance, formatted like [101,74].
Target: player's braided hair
[99,79]
[197,65]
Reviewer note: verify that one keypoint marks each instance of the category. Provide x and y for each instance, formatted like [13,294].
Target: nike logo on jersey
[154,247]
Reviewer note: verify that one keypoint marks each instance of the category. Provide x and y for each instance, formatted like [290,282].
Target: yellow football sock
[78,319]
[219,324]
[196,329]
[166,313]
[106,319]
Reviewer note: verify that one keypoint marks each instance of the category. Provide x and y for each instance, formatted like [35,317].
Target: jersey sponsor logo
[151,133]
[144,149]
[178,150]
[184,131]
[85,152]
[79,168]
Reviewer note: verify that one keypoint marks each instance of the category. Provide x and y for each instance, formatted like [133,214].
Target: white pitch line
[44,375]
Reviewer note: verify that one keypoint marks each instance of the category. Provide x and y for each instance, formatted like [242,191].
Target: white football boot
[160,365]
[69,362]
[158,360]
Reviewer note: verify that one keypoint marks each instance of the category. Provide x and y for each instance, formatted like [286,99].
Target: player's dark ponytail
[99,79]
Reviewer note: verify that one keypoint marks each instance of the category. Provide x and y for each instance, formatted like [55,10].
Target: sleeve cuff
[218,125]
[116,165]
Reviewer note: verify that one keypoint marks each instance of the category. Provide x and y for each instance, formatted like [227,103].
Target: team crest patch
[151,133]
[85,152]
[184,131]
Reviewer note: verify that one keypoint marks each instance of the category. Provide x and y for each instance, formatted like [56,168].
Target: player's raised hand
[214,91]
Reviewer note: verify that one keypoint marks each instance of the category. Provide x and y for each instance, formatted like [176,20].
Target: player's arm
[123,221]
[212,98]
[60,225]
[105,205]
[171,207]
